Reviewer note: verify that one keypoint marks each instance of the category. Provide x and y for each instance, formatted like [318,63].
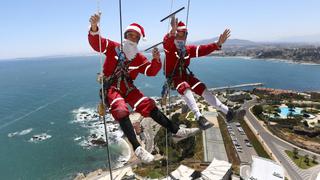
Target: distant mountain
[311,39]
[230,42]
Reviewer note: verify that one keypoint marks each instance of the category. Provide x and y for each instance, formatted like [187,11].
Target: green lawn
[155,173]
[300,160]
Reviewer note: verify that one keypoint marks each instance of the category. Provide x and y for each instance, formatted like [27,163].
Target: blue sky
[56,27]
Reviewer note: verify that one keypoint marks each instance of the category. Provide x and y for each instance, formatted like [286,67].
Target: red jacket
[172,57]
[139,64]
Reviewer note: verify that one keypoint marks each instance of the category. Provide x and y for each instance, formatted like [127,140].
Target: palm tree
[306,159]
[314,159]
[295,153]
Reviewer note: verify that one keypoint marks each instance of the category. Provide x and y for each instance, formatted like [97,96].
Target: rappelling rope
[103,91]
[169,85]
[168,91]
[120,17]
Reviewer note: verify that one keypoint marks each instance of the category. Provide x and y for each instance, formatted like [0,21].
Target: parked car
[247,142]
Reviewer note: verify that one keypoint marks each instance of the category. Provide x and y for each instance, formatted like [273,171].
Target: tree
[291,107]
[305,123]
[314,159]
[257,110]
[306,159]
[295,153]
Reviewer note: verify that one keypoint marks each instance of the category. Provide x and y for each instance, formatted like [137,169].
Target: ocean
[41,100]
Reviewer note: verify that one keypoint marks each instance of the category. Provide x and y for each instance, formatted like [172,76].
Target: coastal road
[278,146]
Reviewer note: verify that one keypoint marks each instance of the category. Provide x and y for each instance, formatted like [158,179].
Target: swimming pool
[285,111]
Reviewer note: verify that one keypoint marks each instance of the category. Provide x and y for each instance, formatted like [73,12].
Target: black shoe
[204,123]
[235,114]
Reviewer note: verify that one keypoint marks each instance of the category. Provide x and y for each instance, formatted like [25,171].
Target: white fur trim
[180,85]
[197,51]
[145,71]
[93,33]
[194,86]
[115,100]
[136,67]
[177,55]
[136,29]
[107,43]
[138,102]
[181,27]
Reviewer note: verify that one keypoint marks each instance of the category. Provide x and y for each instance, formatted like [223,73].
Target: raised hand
[156,54]
[223,37]
[174,25]
[94,21]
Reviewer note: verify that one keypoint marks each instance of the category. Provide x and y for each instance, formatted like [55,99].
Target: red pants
[188,82]
[118,107]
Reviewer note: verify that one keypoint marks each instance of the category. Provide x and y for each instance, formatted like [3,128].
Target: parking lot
[241,142]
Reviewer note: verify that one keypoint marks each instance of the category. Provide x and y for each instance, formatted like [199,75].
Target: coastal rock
[80,176]
[99,141]
[39,137]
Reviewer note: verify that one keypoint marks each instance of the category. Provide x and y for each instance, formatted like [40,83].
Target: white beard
[130,49]
[180,44]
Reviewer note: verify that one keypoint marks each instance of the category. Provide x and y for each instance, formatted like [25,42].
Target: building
[182,172]
[271,170]
[315,95]
[220,170]
[238,96]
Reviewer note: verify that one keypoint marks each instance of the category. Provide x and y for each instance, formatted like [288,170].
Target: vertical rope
[188,13]
[120,16]
[102,94]
[168,86]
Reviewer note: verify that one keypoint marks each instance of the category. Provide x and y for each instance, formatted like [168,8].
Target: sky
[32,28]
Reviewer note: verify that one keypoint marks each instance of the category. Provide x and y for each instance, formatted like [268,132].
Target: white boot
[186,132]
[144,155]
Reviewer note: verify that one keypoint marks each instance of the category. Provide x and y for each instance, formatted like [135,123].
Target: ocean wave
[89,118]
[20,133]
[25,132]
[125,153]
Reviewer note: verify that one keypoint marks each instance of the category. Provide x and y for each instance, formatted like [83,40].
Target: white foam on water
[13,134]
[125,153]
[88,118]
[25,132]
[39,137]
[77,138]
[20,133]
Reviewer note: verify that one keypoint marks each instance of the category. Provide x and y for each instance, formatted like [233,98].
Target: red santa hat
[182,27]
[137,28]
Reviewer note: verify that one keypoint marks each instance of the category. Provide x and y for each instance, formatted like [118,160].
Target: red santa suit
[176,66]
[120,93]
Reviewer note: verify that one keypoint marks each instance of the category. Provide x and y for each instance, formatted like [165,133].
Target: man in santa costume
[178,56]
[120,70]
